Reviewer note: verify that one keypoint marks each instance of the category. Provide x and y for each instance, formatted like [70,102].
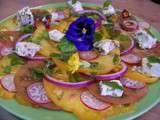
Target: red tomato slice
[88,55]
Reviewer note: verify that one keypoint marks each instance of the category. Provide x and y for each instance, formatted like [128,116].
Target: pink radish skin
[7,83]
[131,59]
[132,84]
[37,93]
[92,102]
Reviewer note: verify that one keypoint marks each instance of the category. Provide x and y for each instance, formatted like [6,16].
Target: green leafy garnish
[113,84]
[7,69]
[116,59]
[37,73]
[27,29]
[94,65]
[107,3]
[97,36]
[74,1]
[16,60]
[66,46]
[153,59]
[122,37]
[64,56]
[76,78]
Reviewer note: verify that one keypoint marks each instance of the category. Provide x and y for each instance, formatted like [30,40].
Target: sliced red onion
[108,76]
[93,12]
[133,84]
[69,84]
[37,58]
[129,49]
[131,59]
[24,37]
[125,25]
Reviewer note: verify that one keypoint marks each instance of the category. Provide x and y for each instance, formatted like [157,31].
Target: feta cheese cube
[76,6]
[109,91]
[110,10]
[56,35]
[27,49]
[145,40]
[105,46]
[25,16]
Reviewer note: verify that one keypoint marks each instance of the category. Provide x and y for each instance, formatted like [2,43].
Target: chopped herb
[37,73]
[97,36]
[122,37]
[113,84]
[107,3]
[74,1]
[7,69]
[94,65]
[66,46]
[153,59]
[64,56]
[27,29]
[76,78]
[16,60]
[116,59]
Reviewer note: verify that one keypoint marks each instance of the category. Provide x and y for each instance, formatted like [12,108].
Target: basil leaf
[122,37]
[107,3]
[27,29]
[116,59]
[7,69]
[64,56]
[113,84]
[16,60]
[97,36]
[66,46]
[37,74]
[153,59]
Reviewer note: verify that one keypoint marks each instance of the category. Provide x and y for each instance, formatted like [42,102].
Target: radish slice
[92,102]
[88,55]
[131,59]
[37,93]
[7,83]
[144,25]
[133,84]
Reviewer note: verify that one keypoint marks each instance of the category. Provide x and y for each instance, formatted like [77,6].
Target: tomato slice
[88,55]
[129,96]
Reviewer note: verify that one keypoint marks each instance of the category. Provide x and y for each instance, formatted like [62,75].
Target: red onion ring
[24,37]
[132,46]
[131,59]
[92,12]
[68,84]
[98,23]
[108,76]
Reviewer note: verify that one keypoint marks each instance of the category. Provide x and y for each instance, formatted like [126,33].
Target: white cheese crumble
[56,35]
[105,46]
[109,91]
[145,40]
[76,6]
[27,49]
[110,10]
[25,16]
[151,69]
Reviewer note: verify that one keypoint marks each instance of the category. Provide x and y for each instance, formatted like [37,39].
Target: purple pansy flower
[81,33]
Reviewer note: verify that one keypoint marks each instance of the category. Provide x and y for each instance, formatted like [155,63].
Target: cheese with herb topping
[56,35]
[107,90]
[110,10]
[27,49]
[75,6]
[25,16]
[145,40]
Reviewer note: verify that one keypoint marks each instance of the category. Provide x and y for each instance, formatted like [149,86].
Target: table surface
[145,9]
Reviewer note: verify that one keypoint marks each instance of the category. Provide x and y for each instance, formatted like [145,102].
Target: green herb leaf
[122,37]
[113,84]
[27,29]
[107,3]
[64,56]
[7,69]
[16,60]
[74,1]
[94,65]
[116,59]
[76,78]
[66,46]
[37,74]
[153,59]
[97,36]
